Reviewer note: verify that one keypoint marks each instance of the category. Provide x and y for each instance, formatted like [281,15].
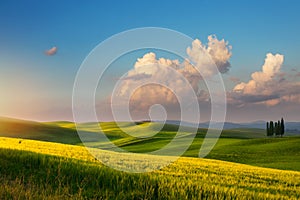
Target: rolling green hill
[248,146]
[37,131]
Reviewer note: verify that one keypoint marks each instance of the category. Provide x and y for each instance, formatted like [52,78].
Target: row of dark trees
[276,128]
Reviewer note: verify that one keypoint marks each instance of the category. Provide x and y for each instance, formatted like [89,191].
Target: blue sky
[28,28]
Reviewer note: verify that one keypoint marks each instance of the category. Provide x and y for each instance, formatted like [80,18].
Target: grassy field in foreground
[45,170]
[247,146]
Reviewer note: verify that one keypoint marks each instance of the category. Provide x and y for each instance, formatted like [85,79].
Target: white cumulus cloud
[201,58]
[216,52]
[262,80]
[268,86]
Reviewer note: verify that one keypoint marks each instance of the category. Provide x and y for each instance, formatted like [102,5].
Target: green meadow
[48,161]
[247,146]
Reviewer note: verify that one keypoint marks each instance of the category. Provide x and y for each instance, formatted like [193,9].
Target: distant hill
[292,128]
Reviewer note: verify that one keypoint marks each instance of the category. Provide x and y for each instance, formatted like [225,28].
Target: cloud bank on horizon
[269,87]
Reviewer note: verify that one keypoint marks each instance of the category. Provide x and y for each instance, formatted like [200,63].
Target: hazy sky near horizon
[42,45]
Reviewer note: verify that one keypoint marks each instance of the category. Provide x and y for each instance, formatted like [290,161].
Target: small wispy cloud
[51,52]
[234,79]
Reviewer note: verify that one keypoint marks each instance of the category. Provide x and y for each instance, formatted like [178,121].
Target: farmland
[247,146]
[48,161]
[45,170]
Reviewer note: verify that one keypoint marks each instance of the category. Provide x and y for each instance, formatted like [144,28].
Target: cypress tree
[275,129]
[282,127]
[278,129]
[268,129]
[271,128]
